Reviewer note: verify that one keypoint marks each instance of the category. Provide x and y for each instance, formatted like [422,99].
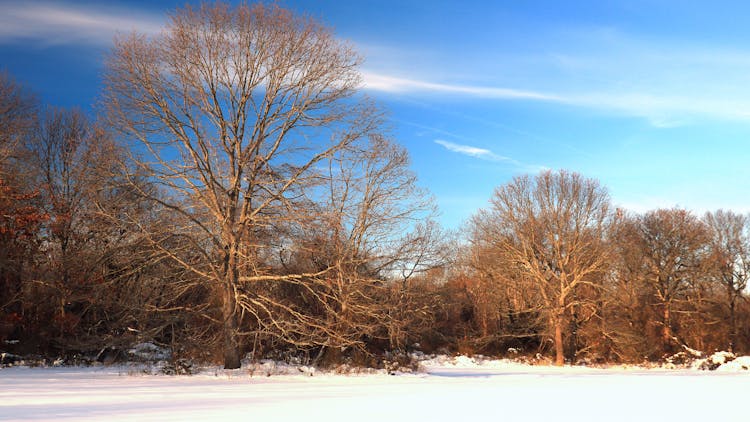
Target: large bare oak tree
[550,234]
[235,108]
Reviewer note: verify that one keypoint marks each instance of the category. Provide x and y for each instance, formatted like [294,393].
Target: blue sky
[650,97]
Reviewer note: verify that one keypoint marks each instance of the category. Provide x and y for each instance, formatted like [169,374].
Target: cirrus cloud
[61,23]
[487,155]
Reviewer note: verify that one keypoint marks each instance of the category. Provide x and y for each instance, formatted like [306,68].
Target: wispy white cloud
[380,82]
[471,151]
[661,110]
[664,110]
[487,155]
[604,71]
[665,82]
[62,23]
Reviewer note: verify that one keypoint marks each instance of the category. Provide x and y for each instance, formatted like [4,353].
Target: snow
[740,364]
[715,361]
[459,388]
[722,357]
[149,352]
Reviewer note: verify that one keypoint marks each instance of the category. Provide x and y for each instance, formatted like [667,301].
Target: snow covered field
[458,389]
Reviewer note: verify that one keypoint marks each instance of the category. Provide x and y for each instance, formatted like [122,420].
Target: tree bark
[573,336]
[229,310]
[559,345]
[231,341]
[733,324]
[666,329]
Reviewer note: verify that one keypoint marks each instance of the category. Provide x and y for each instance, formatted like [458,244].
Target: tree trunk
[667,329]
[573,336]
[231,343]
[229,310]
[559,347]
[732,324]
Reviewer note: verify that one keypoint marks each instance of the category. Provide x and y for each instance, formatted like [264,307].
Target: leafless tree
[21,217]
[672,247]
[235,107]
[380,219]
[74,164]
[626,300]
[349,255]
[18,112]
[729,261]
[502,312]
[549,232]
[70,154]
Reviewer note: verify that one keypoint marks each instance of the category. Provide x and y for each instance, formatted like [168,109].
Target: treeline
[551,266]
[237,194]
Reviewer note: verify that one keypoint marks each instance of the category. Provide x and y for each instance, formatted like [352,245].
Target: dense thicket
[650,285]
[240,196]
